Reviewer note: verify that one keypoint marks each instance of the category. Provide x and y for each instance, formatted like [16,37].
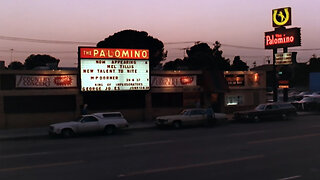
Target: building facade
[31,98]
[247,90]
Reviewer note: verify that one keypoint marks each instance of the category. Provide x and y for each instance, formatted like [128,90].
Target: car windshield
[184,112]
[260,107]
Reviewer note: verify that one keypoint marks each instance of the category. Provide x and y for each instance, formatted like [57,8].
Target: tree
[202,57]
[238,65]
[136,40]
[177,64]
[314,65]
[16,65]
[41,60]
[223,64]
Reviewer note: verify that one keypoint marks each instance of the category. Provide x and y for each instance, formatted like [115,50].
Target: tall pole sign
[281,37]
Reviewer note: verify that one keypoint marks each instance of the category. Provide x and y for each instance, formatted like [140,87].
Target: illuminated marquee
[104,53]
[235,79]
[106,69]
[281,17]
[46,81]
[282,38]
[175,81]
[283,58]
[283,84]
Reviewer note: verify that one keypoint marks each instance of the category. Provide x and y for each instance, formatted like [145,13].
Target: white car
[196,116]
[107,122]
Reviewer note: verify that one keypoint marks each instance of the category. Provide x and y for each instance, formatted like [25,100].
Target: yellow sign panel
[281,17]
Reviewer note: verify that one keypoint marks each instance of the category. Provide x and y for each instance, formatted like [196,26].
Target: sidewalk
[10,134]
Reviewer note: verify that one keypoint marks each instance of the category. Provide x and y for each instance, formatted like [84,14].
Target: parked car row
[196,116]
[267,111]
[109,122]
[307,101]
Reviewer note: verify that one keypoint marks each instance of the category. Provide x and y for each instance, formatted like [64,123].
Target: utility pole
[11,54]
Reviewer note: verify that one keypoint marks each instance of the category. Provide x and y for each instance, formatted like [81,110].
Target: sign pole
[281,37]
[275,79]
[285,90]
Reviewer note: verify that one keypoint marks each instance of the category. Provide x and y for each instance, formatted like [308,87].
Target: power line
[242,47]
[58,52]
[22,39]
[44,41]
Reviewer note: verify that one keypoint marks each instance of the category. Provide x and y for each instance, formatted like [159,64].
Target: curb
[22,137]
[45,134]
[308,113]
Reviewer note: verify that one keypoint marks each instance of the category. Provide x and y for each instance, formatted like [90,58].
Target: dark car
[267,111]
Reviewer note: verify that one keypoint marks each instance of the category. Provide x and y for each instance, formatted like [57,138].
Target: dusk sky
[231,22]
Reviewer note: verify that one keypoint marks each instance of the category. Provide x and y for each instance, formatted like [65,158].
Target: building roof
[265,67]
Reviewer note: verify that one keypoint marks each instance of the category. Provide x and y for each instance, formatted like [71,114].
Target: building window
[167,99]
[234,100]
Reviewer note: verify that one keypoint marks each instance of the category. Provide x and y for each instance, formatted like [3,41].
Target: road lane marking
[24,155]
[148,143]
[151,171]
[246,133]
[283,138]
[292,177]
[41,166]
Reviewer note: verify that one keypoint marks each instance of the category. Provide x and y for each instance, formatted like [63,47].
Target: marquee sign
[235,79]
[176,81]
[46,81]
[283,84]
[282,38]
[281,17]
[106,69]
[283,58]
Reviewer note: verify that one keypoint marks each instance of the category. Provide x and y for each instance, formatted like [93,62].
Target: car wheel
[284,117]
[256,119]
[67,133]
[177,124]
[109,130]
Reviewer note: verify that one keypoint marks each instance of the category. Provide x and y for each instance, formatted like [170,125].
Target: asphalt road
[277,150]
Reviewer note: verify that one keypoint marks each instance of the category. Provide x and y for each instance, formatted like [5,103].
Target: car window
[89,119]
[184,112]
[273,107]
[287,106]
[269,107]
[197,112]
[260,107]
[111,115]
